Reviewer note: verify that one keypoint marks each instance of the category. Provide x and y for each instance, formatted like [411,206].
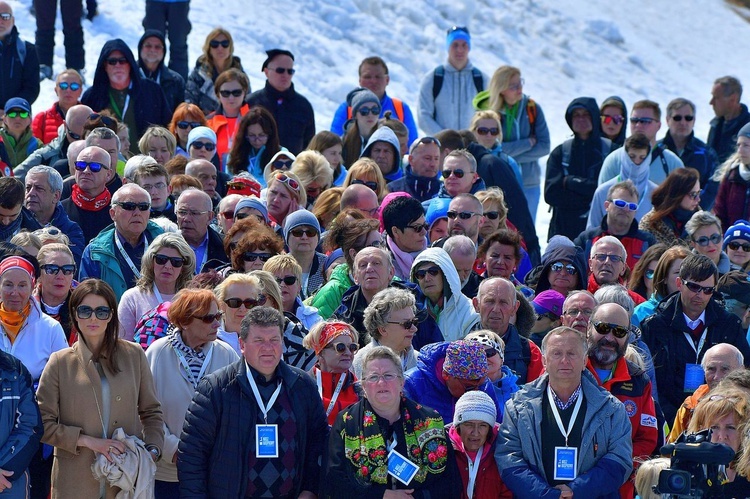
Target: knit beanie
[744,131]
[200,132]
[362,97]
[299,218]
[740,230]
[456,33]
[254,203]
[475,406]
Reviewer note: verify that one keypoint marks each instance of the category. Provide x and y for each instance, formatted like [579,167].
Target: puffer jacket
[328,298]
[46,124]
[224,136]
[457,317]
[605,459]
[488,482]
[199,87]
[385,134]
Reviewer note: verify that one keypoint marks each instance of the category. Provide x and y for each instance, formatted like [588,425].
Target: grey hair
[701,219]
[381,352]
[463,153]
[611,240]
[103,133]
[126,189]
[381,307]
[615,293]
[132,165]
[460,244]
[262,317]
[371,249]
[54,179]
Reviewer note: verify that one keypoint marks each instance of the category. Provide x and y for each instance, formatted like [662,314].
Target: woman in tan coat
[87,391]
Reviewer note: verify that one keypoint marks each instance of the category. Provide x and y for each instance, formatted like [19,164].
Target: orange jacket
[224,135]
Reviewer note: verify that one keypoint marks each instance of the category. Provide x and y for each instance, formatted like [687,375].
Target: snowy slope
[637,49]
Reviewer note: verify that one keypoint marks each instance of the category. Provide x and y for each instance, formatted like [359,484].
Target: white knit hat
[475,406]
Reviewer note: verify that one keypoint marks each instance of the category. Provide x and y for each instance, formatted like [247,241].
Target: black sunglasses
[366,111]
[106,121]
[695,288]
[176,261]
[64,85]
[200,145]
[463,215]
[248,302]
[114,61]
[101,313]
[419,227]
[234,93]
[483,130]
[184,125]
[688,118]
[52,269]
[288,280]
[283,164]
[490,352]
[215,44]
[281,71]
[210,318]
[458,173]
[433,271]
[407,324]
[492,215]
[307,232]
[734,246]
[605,328]
[130,206]
[371,185]
[92,165]
[249,256]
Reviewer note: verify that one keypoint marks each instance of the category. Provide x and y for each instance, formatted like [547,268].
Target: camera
[694,467]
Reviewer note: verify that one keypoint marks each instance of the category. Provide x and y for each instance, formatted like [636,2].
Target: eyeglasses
[131,206]
[210,318]
[422,273]
[249,256]
[306,232]
[483,130]
[375,378]
[492,215]
[92,165]
[252,137]
[604,328]
[158,185]
[622,204]
[574,312]
[458,28]
[209,146]
[184,125]
[52,269]
[64,85]
[616,119]
[281,71]
[705,240]
[101,313]
[176,261]
[371,185]
[734,246]
[418,227]
[366,111]
[234,93]
[216,43]
[650,273]
[559,266]
[248,302]
[114,61]
[678,117]
[288,280]
[192,213]
[15,114]
[463,215]
[342,347]
[293,184]
[644,121]
[6,16]
[601,257]
[695,288]
[518,86]
[458,173]
[407,324]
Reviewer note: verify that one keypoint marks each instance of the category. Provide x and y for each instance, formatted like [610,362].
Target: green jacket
[22,149]
[328,298]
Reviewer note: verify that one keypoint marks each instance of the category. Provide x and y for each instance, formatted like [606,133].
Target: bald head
[94,154]
[6,26]
[74,149]
[360,197]
[720,360]
[76,117]
[612,313]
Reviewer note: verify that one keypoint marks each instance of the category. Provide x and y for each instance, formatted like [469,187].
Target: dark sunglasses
[559,266]
[52,269]
[114,61]
[601,257]
[695,288]
[249,256]
[92,165]
[248,302]
[490,352]
[283,164]
[366,111]
[458,173]
[210,318]
[705,240]
[15,113]
[483,130]
[734,246]
[209,146]
[73,135]
[688,118]
[551,317]
[419,227]
[106,121]
[644,121]
[463,215]
[617,119]
[293,184]
[433,271]
[216,43]
[176,261]
[604,328]
[184,125]
[242,216]
[130,206]
[288,280]
[407,324]
[307,232]
[622,204]
[649,274]
[492,215]
[101,313]
[371,185]
[234,93]
[281,71]
[64,85]
[342,347]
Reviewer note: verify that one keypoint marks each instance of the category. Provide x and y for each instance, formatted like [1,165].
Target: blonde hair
[269,288]
[282,263]
[207,60]
[47,249]
[237,278]
[369,168]
[499,83]
[496,196]
[26,239]
[153,132]
[312,166]
[648,475]
[719,403]
[328,205]
[486,115]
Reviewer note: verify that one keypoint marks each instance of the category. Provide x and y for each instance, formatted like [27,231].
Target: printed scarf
[85,202]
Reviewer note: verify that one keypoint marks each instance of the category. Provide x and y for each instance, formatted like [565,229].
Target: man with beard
[608,333]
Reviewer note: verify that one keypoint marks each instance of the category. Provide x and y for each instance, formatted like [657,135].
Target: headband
[17,262]
[330,332]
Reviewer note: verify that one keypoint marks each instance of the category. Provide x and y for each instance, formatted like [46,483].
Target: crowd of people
[200,296]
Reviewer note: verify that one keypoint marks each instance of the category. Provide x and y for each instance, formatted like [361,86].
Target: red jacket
[224,136]
[45,124]
[347,396]
[594,286]
[488,482]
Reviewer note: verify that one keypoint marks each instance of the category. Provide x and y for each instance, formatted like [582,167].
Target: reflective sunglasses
[209,146]
[688,118]
[341,347]
[216,43]
[288,280]
[114,61]
[6,16]
[483,130]
[419,227]
[281,71]
[101,313]
[422,273]
[293,184]
[458,173]
[407,324]
[176,261]
[307,232]
[601,257]
[649,274]
[16,113]
[283,164]
[492,215]
[463,215]
[64,85]
[92,165]
[184,125]
[249,256]
[210,318]
[705,240]
[248,302]
[52,269]
[234,93]
[644,121]
[130,206]
[734,246]
[366,111]
[372,185]
[695,288]
[616,119]
[622,204]
[604,328]
[559,266]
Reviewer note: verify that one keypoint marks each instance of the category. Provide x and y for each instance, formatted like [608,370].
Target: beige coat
[70,394]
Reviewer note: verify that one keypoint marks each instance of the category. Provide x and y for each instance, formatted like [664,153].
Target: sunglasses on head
[342,347]
[210,318]
[644,121]
[131,206]
[492,215]
[622,204]
[64,85]
[366,111]
[705,240]
[52,269]
[106,121]
[293,184]
[604,328]
[371,185]
[176,261]
[101,313]
[483,130]
[281,71]
[248,302]
[249,256]
[216,43]
[234,93]
[463,215]
[559,267]
[678,117]
[458,173]
[734,246]
[458,28]
[288,280]
[425,140]
[114,61]
[306,232]
[407,324]
[209,146]
[283,164]
[695,288]
[184,125]
[616,119]
[422,273]
[16,113]
[91,165]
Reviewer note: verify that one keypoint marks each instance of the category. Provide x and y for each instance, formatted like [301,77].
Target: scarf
[84,202]
[510,118]
[637,173]
[678,218]
[366,450]
[8,231]
[13,321]
[401,259]
[744,172]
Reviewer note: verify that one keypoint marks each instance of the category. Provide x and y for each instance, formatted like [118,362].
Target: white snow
[636,49]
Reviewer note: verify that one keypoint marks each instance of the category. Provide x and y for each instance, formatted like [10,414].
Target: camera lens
[677,482]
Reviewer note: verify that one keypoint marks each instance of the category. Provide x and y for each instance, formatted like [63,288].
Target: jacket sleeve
[596,213]
[149,407]
[30,79]
[410,123]
[521,150]
[536,366]
[339,119]
[37,125]
[426,108]
[56,433]
[76,238]
[554,179]
[89,268]
[646,431]
[327,300]
[196,442]
[720,204]
[23,441]
[317,436]
[610,169]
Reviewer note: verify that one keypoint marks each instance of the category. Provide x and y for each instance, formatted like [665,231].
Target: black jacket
[219,433]
[722,137]
[216,257]
[699,156]
[420,188]
[664,334]
[18,79]
[171,83]
[293,114]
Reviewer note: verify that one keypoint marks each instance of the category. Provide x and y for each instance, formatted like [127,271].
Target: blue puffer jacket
[71,229]
[505,387]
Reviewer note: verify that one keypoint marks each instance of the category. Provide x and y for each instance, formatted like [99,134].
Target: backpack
[152,326]
[568,147]
[439,75]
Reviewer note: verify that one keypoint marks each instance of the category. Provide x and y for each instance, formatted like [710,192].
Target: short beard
[606,358]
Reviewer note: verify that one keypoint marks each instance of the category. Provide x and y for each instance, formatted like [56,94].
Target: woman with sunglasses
[179,362]
[255,247]
[366,172]
[257,142]
[218,56]
[68,88]
[288,274]
[334,344]
[674,202]
[302,235]
[705,237]
[231,88]
[503,379]
[731,200]
[282,161]
[166,267]
[563,268]
[55,284]
[186,117]
[365,107]
[737,245]
[285,195]
[614,120]
[236,295]
[488,132]
[92,388]
[642,278]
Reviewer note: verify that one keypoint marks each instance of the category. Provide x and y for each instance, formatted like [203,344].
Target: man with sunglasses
[422,173]
[608,333]
[115,254]
[151,54]
[16,134]
[684,326]
[292,111]
[608,265]
[19,64]
[460,174]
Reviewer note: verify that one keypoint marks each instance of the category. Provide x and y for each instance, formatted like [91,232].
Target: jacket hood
[440,257]
[385,134]
[101,79]
[566,253]
[590,105]
[615,101]
[152,33]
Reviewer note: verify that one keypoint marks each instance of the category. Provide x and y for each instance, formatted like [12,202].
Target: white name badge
[694,377]
[401,468]
[266,441]
[566,463]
